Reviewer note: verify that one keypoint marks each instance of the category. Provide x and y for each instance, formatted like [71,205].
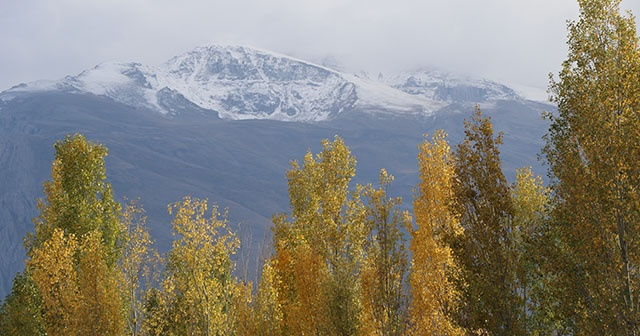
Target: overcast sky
[512,41]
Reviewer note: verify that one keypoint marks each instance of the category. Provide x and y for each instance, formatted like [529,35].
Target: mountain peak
[239,82]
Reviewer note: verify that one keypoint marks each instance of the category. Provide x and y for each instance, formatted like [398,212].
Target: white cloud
[512,41]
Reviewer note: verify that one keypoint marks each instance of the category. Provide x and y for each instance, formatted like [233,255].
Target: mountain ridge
[236,82]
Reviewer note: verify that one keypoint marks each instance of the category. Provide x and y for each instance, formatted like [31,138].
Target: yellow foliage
[200,292]
[318,251]
[101,309]
[268,315]
[56,278]
[136,264]
[384,269]
[435,297]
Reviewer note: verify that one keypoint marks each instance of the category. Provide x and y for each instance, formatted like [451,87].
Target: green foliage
[485,251]
[533,243]
[319,250]
[78,199]
[20,313]
[593,151]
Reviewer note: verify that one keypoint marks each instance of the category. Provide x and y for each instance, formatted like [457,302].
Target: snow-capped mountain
[237,164]
[235,82]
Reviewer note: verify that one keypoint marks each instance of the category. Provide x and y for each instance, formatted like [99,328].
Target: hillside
[224,122]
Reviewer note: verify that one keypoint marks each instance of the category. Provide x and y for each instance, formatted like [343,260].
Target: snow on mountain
[243,83]
[440,86]
[235,82]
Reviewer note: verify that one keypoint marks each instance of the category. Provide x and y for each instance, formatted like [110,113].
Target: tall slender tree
[99,297]
[434,272]
[268,315]
[384,274]
[55,276]
[485,251]
[78,199]
[21,312]
[533,245]
[593,151]
[138,265]
[320,247]
[74,250]
[199,289]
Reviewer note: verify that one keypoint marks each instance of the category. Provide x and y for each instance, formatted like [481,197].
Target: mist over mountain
[223,122]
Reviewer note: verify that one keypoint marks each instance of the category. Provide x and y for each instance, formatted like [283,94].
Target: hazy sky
[513,41]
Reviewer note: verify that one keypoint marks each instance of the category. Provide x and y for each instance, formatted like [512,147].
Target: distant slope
[241,164]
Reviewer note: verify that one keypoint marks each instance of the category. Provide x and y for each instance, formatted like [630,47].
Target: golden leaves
[200,294]
[435,296]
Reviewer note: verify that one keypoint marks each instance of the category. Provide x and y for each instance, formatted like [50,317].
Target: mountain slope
[167,136]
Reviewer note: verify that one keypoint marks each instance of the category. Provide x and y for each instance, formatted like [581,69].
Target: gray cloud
[514,41]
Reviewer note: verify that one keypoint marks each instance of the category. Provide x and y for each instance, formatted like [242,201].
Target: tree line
[477,255]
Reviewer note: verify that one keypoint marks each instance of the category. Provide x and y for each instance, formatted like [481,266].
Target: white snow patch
[103,79]
[376,95]
[40,85]
[531,93]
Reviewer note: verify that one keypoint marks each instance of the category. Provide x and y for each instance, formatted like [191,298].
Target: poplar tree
[268,315]
[55,276]
[485,251]
[593,152]
[21,312]
[74,250]
[198,292]
[137,264]
[100,309]
[78,199]
[533,246]
[434,273]
[384,270]
[319,248]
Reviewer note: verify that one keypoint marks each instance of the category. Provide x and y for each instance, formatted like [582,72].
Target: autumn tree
[485,250]
[55,276]
[533,246]
[138,265]
[319,248]
[434,272]
[268,314]
[75,248]
[98,294]
[384,270]
[79,292]
[302,281]
[593,152]
[198,292]
[20,313]
[78,199]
